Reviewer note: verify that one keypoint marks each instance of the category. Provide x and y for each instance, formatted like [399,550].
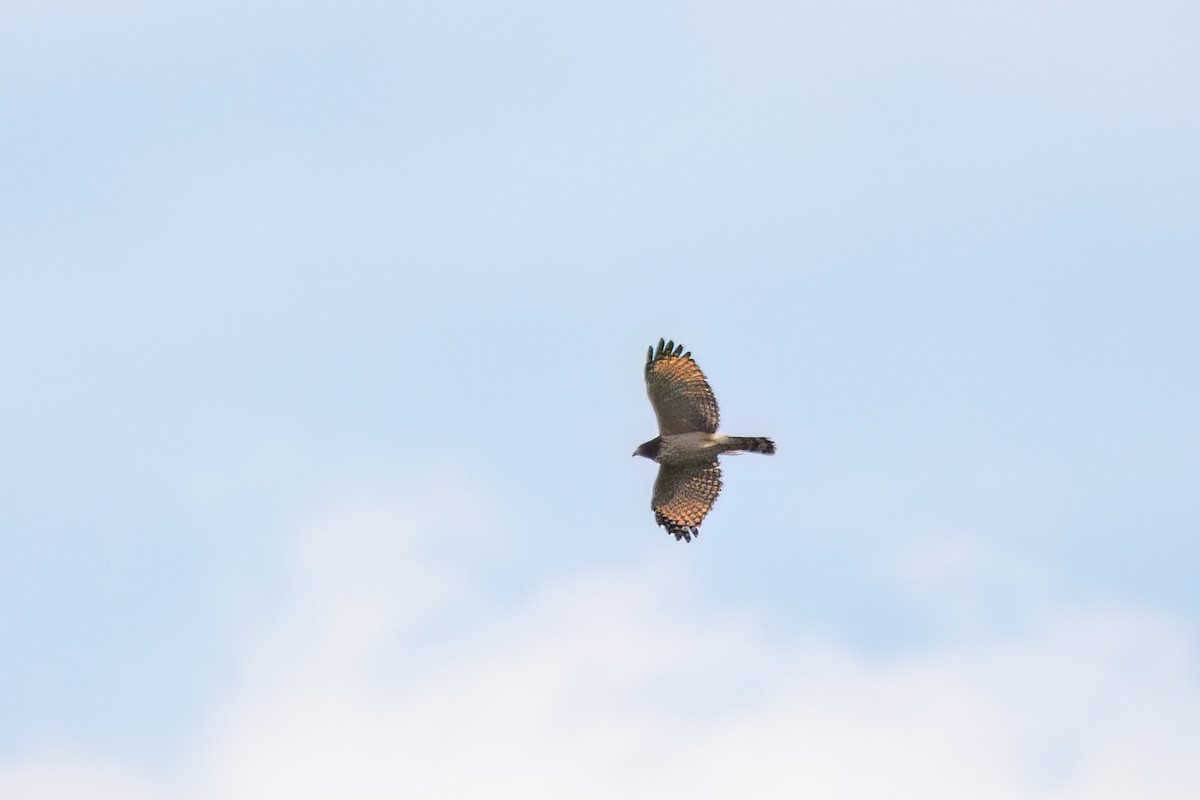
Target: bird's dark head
[649,449]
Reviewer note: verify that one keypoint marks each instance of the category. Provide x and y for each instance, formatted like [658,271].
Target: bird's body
[691,448]
[686,449]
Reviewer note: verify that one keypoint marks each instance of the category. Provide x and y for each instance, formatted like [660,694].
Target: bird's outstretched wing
[682,399]
[683,496]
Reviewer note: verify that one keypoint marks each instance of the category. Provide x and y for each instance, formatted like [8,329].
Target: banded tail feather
[751,444]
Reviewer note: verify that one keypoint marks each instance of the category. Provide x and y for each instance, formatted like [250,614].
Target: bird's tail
[750,444]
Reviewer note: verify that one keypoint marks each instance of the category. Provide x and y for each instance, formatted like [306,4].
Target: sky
[322,329]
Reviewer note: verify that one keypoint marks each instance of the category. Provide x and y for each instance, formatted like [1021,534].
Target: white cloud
[626,684]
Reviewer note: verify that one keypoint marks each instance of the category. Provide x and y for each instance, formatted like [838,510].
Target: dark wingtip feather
[668,349]
[680,532]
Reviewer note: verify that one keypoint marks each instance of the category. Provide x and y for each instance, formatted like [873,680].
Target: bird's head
[649,449]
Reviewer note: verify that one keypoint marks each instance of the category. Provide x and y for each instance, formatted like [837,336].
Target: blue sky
[323,327]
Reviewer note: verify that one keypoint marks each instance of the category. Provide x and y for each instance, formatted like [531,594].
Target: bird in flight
[687,445]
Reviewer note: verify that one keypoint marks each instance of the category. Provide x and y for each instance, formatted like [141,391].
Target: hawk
[686,449]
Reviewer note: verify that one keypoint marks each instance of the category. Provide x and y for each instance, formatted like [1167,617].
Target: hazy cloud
[626,683]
